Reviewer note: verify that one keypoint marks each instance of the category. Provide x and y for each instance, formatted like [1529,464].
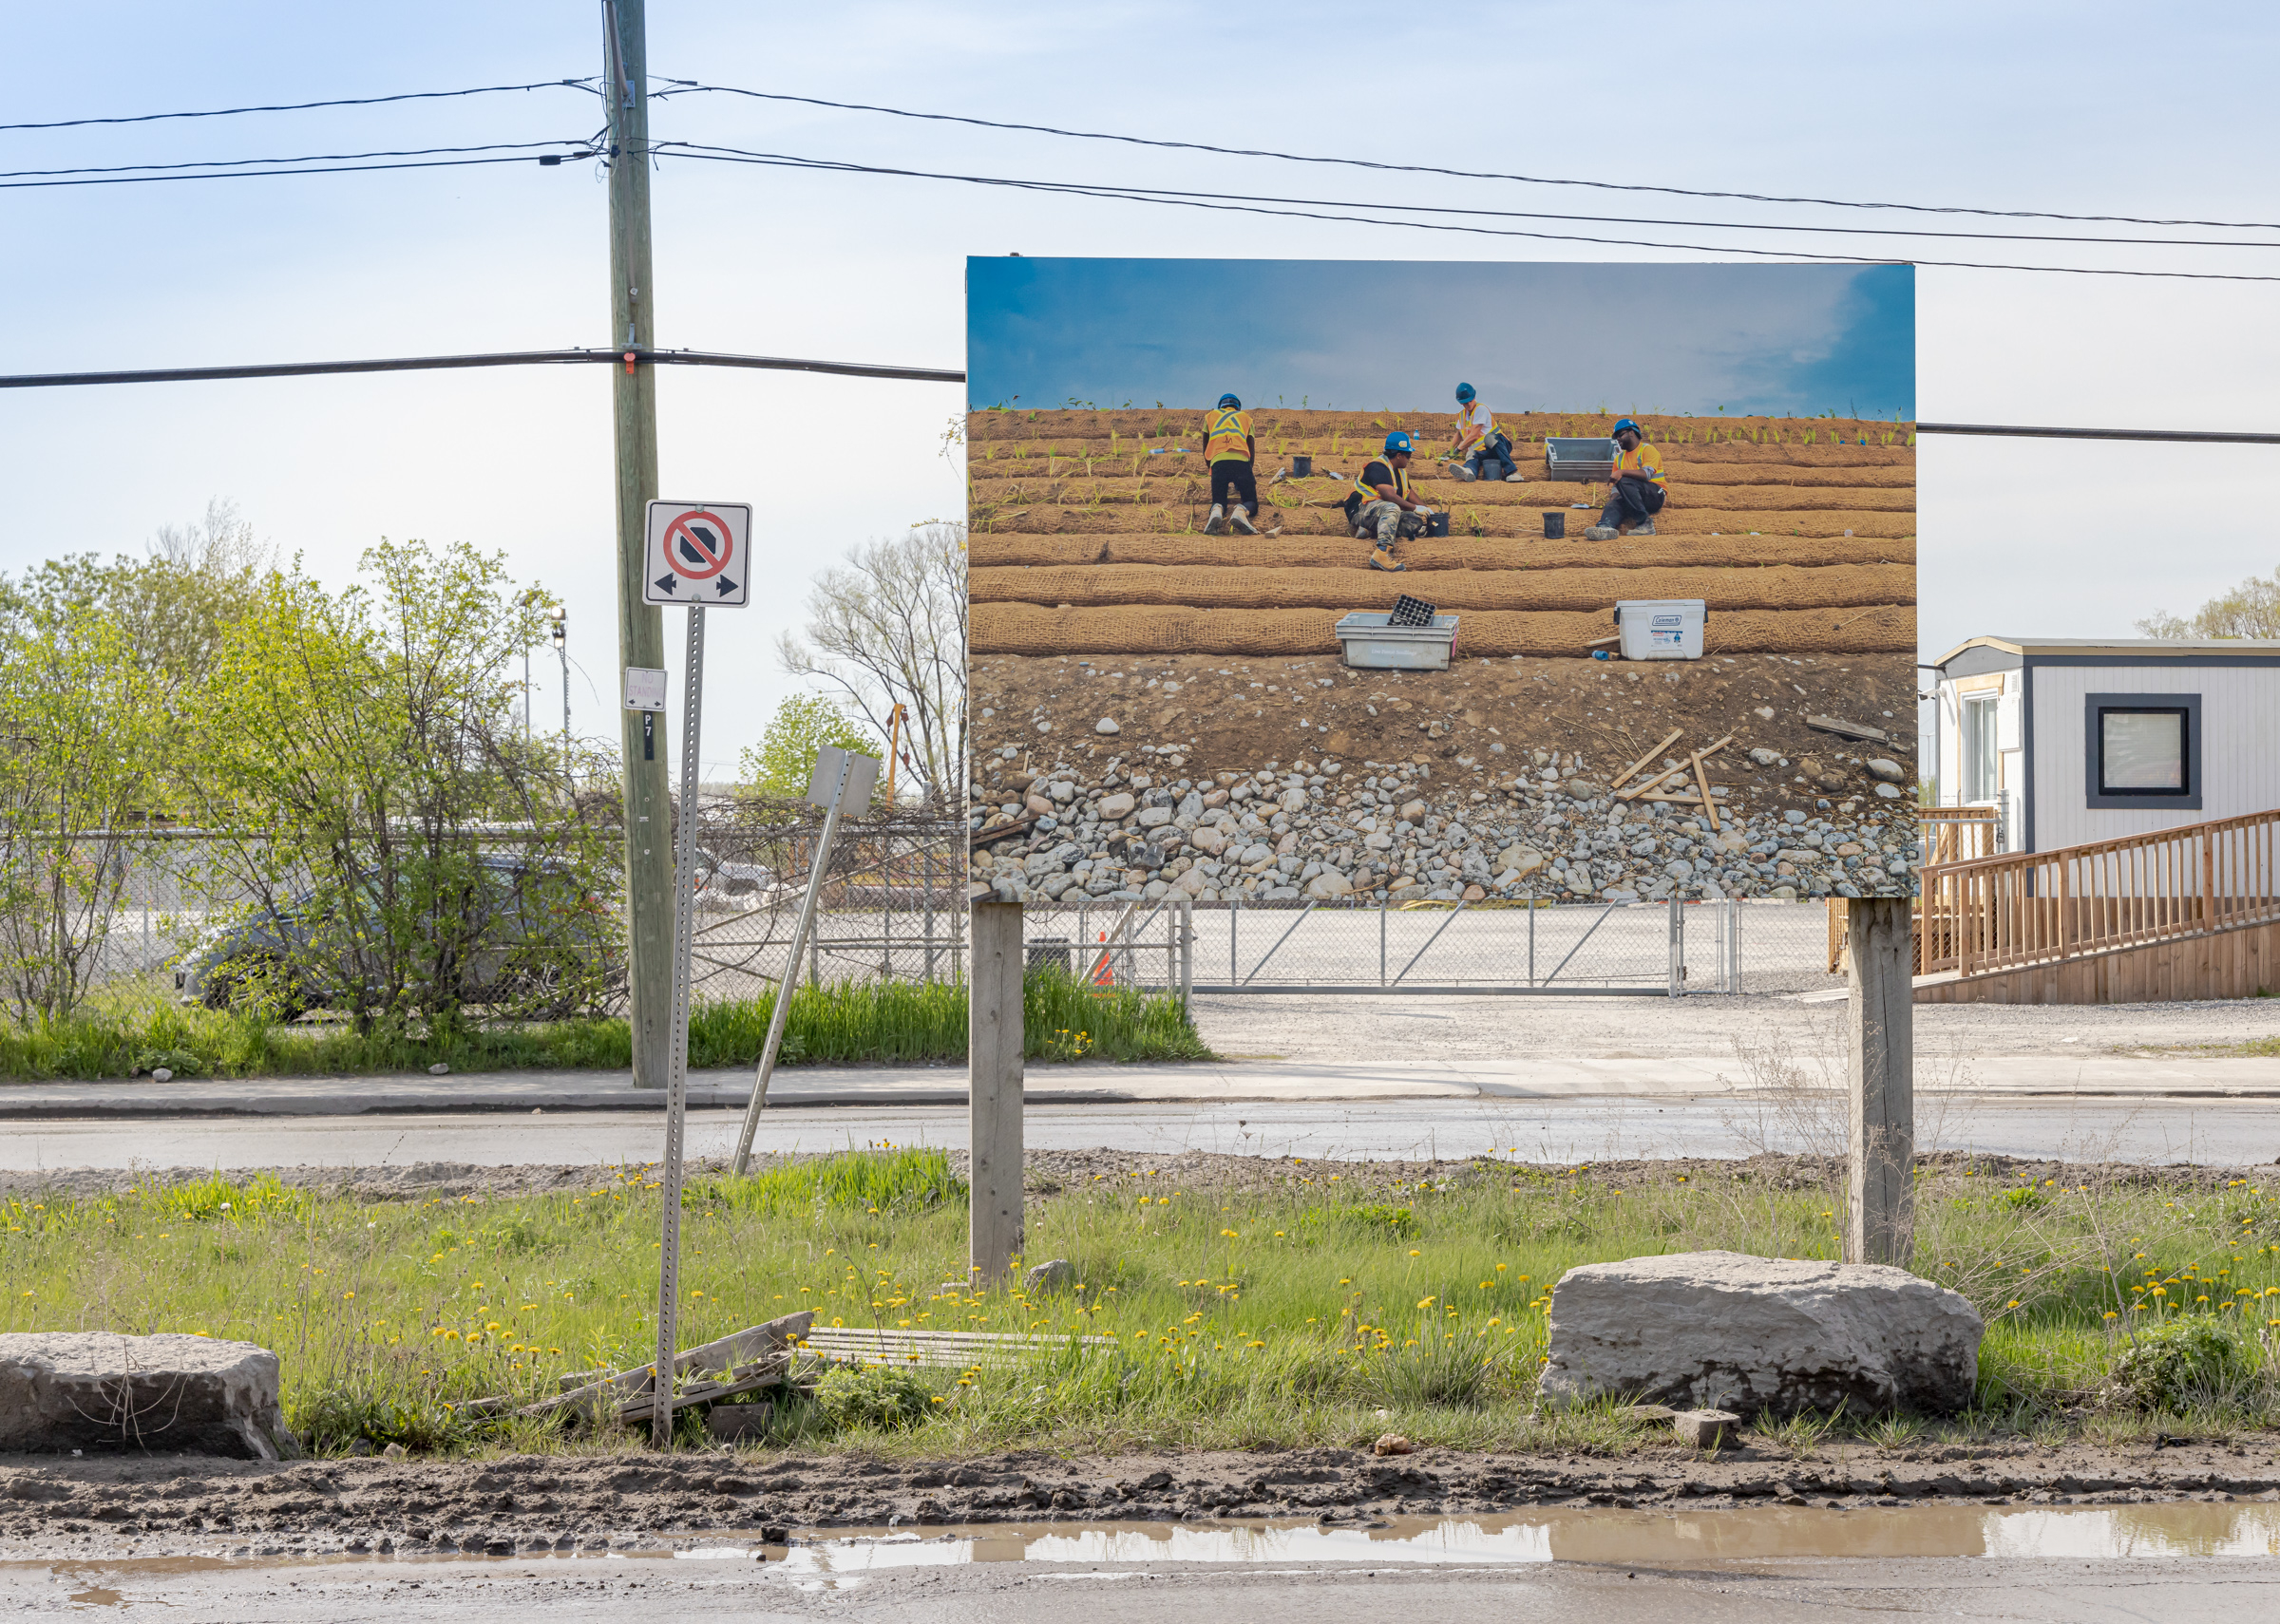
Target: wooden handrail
[2014,909]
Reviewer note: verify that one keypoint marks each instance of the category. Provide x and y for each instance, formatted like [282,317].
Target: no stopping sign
[699,552]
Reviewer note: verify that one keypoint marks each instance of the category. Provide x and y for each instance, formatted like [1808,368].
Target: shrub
[2185,1360]
[882,1397]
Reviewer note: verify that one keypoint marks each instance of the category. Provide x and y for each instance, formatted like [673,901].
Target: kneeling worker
[1482,451]
[1638,487]
[1380,506]
[1228,443]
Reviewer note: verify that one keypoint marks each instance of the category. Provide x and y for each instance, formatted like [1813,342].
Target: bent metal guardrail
[2001,913]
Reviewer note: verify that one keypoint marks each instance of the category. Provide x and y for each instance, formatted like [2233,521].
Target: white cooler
[1661,628]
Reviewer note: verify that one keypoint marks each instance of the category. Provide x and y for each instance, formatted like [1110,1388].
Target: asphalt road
[2229,1132]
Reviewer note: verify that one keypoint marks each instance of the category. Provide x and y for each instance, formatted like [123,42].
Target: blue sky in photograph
[1786,340]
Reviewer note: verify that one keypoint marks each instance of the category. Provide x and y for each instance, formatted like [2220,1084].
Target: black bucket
[1436,524]
[1555,526]
[1301,467]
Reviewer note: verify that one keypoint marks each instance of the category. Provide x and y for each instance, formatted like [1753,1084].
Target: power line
[865,369]
[157,169]
[549,160]
[2022,431]
[691,87]
[703,148]
[456,363]
[304,106]
[1198,200]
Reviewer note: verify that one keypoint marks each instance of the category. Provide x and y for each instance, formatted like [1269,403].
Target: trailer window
[2143,751]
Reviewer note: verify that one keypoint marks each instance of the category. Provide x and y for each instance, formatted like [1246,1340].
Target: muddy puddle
[1629,1538]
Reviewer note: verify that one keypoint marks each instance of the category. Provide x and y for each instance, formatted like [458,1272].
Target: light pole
[559,631]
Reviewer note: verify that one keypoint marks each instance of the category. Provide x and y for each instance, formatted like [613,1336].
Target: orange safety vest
[1369,493]
[1229,436]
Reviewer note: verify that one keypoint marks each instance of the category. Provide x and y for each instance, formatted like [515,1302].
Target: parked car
[539,938]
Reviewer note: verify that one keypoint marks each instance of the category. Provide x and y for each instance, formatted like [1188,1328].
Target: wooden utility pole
[641,628]
[993,1066]
[1881,1216]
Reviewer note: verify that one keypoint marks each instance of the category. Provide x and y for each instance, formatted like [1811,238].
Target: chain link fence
[892,908]
[1669,948]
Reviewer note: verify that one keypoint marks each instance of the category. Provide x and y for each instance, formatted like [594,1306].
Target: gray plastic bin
[1372,642]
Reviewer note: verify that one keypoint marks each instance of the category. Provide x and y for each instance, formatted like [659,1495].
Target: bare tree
[889,627]
[220,545]
[2248,610]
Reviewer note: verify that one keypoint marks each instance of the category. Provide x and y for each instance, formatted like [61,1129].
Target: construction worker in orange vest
[1637,487]
[1228,443]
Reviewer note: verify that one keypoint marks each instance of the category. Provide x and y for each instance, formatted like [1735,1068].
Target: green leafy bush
[2189,1360]
[882,1397]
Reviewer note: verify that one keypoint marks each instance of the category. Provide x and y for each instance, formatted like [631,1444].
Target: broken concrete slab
[1723,1330]
[102,1391]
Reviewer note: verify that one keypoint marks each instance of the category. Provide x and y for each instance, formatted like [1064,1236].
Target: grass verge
[1326,1306]
[135,1032]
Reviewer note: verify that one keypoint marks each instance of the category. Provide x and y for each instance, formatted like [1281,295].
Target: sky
[2076,108]
[1781,340]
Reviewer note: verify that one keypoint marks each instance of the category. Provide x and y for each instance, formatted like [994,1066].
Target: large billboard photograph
[1316,581]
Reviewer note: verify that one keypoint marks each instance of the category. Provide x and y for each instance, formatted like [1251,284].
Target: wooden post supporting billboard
[1880,1223]
[993,1059]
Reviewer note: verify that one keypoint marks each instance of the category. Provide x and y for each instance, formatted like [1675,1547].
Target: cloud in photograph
[1787,340]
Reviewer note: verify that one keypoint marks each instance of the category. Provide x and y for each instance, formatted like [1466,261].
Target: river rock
[1723,1330]
[1117,806]
[100,1392]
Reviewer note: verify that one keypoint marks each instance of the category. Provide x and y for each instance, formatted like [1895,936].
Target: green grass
[1328,1308]
[134,1030]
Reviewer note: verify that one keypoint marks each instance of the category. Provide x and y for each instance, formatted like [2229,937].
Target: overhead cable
[304,106]
[690,86]
[548,158]
[496,358]
[699,148]
[305,158]
[867,370]
[1211,200]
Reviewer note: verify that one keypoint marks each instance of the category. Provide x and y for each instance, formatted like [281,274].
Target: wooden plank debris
[1674,771]
[942,1350]
[1668,739]
[1844,730]
[756,1357]
[1703,782]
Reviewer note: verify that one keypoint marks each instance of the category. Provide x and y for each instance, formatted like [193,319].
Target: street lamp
[558,630]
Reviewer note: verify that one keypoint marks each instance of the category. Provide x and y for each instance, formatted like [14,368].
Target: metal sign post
[842,779]
[671,524]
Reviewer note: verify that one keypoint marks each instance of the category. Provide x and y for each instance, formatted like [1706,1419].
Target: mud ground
[177,1504]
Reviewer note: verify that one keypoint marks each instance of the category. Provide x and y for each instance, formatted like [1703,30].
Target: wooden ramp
[2178,915]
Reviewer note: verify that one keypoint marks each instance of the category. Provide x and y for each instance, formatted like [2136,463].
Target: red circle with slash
[680,530]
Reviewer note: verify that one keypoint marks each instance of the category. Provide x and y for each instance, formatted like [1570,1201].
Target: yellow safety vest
[1487,424]
[1369,493]
[1229,436]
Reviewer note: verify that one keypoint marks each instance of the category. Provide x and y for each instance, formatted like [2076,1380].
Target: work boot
[1383,559]
[1242,522]
[1462,472]
[1602,533]
[1515,479]
[1645,527]
[1217,522]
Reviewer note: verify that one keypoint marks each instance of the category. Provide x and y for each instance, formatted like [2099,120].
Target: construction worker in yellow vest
[1382,507]
[1638,488]
[1228,443]
[1481,450]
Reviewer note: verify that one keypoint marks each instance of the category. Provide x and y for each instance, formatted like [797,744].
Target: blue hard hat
[1397,441]
[1623,423]
[1463,391]
[1231,401]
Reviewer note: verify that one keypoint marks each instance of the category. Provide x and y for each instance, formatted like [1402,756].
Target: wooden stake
[993,1062]
[1880,1216]
[1668,739]
[1703,784]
